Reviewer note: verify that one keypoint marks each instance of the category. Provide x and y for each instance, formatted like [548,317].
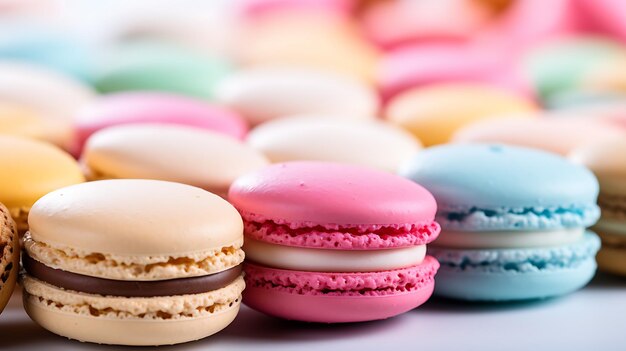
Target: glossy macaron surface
[317,192]
[183,154]
[373,143]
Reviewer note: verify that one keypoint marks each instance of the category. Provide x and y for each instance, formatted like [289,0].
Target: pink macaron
[420,65]
[327,242]
[148,107]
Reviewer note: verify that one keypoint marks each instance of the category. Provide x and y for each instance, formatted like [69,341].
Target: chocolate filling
[111,287]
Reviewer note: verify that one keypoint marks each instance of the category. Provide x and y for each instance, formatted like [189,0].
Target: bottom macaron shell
[516,274]
[612,260]
[333,309]
[478,286]
[338,297]
[131,332]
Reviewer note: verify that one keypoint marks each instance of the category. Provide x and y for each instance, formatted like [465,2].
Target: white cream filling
[508,239]
[324,260]
[611,226]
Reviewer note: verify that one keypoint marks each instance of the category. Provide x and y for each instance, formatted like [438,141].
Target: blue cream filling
[528,260]
[531,218]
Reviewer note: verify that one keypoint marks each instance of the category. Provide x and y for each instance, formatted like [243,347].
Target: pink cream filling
[340,237]
[345,284]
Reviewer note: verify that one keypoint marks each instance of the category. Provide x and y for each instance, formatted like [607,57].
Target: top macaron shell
[376,144]
[262,94]
[153,107]
[119,217]
[331,193]
[197,157]
[606,159]
[465,178]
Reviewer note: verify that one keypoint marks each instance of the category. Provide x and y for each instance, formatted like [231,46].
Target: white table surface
[592,319]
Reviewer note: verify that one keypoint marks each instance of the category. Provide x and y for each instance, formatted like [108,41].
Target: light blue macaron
[45,47]
[483,188]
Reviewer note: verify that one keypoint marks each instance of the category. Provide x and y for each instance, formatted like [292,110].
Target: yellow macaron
[30,170]
[19,120]
[435,112]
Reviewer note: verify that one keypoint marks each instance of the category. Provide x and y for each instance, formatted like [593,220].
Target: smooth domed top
[153,107]
[376,144]
[175,153]
[31,169]
[46,90]
[263,94]
[496,176]
[549,133]
[135,217]
[607,159]
[331,193]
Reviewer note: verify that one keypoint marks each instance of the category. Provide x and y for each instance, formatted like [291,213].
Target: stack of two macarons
[513,221]
[327,242]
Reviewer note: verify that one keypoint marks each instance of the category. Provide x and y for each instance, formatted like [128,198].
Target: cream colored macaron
[373,143]
[30,170]
[133,262]
[435,112]
[556,134]
[181,154]
[19,120]
[607,161]
[263,94]
[49,92]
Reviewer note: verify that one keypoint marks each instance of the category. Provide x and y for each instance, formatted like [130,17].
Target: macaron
[9,256]
[19,120]
[309,39]
[201,158]
[513,221]
[31,169]
[376,144]
[412,66]
[160,67]
[561,64]
[262,94]
[50,93]
[133,262]
[61,51]
[606,159]
[329,243]
[154,107]
[555,134]
[428,114]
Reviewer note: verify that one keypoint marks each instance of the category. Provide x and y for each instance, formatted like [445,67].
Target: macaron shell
[549,133]
[120,217]
[331,193]
[516,274]
[496,176]
[335,139]
[334,309]
[263,94]
[145,107]
[10,259]
[32,169]
[47,91]
[181,154]
[345,303]
[157,67]
[612,260]
[28,122]
[72,319]
[606,159]
[427,112]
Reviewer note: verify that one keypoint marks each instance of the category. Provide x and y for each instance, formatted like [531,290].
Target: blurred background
[562,60]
